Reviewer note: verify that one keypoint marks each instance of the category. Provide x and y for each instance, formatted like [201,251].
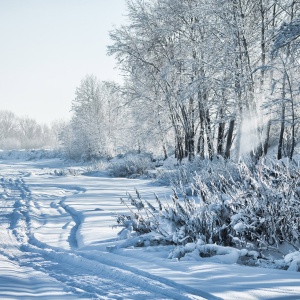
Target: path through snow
[54,236]
[38,268]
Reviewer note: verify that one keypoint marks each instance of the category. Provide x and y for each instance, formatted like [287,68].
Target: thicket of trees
[106,121]
[97,123]
[26,133]
[201,77]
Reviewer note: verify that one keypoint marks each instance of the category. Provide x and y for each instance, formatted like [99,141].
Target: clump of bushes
[252,207]
[183,176]
[131,165]
[66,172]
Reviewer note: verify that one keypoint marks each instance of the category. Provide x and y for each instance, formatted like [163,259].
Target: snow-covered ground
[56,232]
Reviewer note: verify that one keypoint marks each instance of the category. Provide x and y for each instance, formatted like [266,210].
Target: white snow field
[55,232]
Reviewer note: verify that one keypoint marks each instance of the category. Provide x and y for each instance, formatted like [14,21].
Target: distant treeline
[26,133]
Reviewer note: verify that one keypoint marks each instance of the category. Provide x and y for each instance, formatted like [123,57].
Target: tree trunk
[280,143]
[229,138]
[191,146]
[266,142]
[208,136]
[293,139]
[179,150]
[292,143]
[165,152]
[282,122]
[186,145]
[221,130]
[200,145]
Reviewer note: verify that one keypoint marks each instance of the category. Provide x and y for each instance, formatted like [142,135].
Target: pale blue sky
[48,46]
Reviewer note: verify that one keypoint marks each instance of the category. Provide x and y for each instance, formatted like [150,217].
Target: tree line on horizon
[26,133]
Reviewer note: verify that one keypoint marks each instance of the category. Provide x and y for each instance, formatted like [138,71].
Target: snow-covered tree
[24,133]
[97,125]
[205,65]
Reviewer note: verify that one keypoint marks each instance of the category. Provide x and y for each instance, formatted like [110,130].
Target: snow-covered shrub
[131,165]
[182,176]
[271,214]
[198,251]
[178,223]
[97,165]
[293,261]
[261,206]
[67,172]
[142,217]
[255,207]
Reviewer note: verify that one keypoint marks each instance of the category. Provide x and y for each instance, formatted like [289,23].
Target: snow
[294,260]
[58,241]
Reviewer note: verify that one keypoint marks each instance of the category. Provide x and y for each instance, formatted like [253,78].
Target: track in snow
[80,275]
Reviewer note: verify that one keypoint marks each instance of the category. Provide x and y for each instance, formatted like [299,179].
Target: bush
[67,172]
[97,166]
[131,165]
[182,178]
[256,206]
